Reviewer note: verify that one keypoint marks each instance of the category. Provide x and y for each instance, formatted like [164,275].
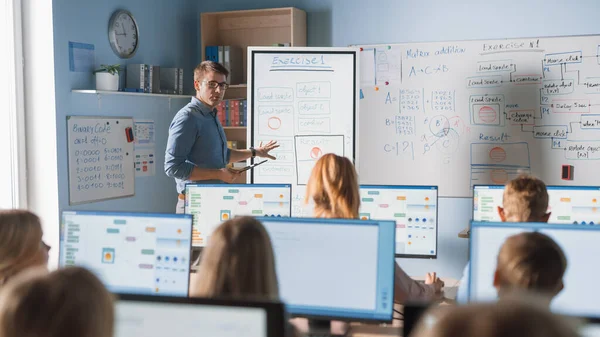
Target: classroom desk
[465,233]
[448,297]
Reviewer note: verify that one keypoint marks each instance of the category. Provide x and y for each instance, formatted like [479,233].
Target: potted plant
[107,77]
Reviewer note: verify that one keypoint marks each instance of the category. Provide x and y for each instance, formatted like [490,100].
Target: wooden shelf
[260,27]
[127,93]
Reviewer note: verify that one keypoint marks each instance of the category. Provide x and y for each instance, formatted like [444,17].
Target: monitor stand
[320,328]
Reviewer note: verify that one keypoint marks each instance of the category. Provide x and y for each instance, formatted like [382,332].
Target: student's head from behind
[66,302]
[525,200]
[333,188]
[21,244]
[531,262]
[238,262]
[502,319]
[210,82]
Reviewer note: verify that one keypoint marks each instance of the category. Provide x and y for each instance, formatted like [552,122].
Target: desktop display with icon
[146,316]
[334,268]
[579,205]
[415,210]
[211,204]
[579,244]
[133,253]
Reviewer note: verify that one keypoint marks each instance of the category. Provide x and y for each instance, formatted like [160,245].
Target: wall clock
[123,34]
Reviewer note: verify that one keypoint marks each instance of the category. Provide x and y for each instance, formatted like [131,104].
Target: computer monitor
[579,205]
[333,268]
[133,253]
[486,199]
[211,204]
[147,316]
[415,210]
[579,243]
[590,328]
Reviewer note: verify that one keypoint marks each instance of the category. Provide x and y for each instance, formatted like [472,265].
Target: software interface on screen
[334,268]
[131,253]
[414,208]
[151,319]
[579,243]
[567,204]
[210,205]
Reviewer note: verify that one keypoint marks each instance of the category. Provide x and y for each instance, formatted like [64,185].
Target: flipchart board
[455,114]
[100,155]
[307,100]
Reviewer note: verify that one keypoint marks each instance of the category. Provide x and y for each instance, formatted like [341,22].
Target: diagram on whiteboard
[480,112]
[306,101]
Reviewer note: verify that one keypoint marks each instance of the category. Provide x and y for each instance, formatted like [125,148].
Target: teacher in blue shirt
[197,147]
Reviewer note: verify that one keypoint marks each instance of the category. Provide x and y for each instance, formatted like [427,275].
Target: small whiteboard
[100,156]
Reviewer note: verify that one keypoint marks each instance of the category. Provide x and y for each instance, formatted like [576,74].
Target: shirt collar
[204,109]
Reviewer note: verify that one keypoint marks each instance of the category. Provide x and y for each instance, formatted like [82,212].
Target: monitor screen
[579,243]
[133,253]
[145,316]
[211,204]
[413,208]
[334,269]
[578,205]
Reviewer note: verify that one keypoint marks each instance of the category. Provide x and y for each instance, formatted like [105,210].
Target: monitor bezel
[527,226]
[355,222]
[200,247]
[548,188]
[437,214]
[143,214]
[277,317]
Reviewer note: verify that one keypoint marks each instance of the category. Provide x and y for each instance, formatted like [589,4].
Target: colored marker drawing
[310,148]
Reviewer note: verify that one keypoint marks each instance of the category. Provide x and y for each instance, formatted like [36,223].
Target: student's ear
[546,217]
[497,280]
[501,214]
[560,288]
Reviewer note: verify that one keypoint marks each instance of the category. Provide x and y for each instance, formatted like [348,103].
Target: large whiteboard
[307,100]
[455,114]
[100,158]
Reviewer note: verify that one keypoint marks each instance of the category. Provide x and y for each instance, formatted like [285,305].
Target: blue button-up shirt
[196,138]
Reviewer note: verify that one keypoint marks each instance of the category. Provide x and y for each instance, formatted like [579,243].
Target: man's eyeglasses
[215,84]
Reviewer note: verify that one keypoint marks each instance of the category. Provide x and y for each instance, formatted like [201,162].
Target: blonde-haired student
[66,302]
[21,244]
[333,188]
[508,318]
[525,199]
[238,263]
[530,262]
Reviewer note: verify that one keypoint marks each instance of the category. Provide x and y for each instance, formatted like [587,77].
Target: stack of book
[154,79]
[232,112]
[230,57]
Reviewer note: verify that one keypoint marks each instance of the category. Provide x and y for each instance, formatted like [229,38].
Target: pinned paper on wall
[144,132]
[82,57]
[144,162]
[145,153]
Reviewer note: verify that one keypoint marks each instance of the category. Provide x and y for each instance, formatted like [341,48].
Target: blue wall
[169,35]
[340,23]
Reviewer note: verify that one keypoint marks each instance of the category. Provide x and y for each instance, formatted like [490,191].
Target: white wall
[40,115]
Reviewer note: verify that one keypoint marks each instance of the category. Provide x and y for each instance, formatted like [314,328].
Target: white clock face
[123,34]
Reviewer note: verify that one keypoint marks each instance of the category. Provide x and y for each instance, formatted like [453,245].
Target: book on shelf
[169,80]
[137,77]
[231,57]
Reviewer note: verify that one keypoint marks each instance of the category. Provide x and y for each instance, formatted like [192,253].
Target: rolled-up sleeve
[182,136]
